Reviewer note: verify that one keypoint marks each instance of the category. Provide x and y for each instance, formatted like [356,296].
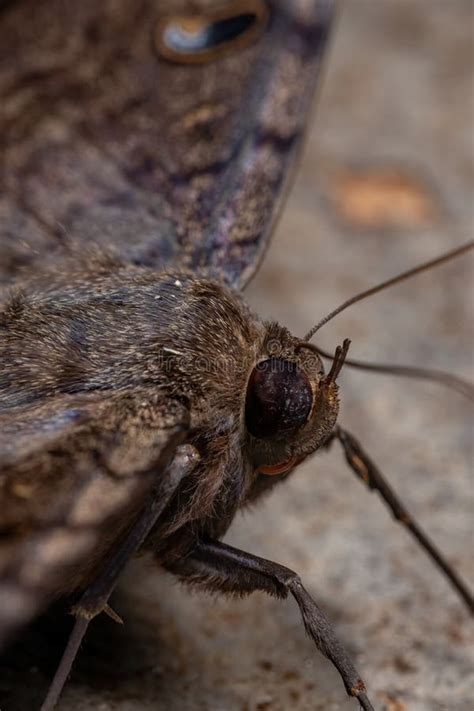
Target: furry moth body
[142,403]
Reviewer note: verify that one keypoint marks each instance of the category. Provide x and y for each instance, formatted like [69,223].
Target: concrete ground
[386,181]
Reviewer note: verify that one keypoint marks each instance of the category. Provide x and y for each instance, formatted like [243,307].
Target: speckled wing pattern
[105,143]
[106,146]
[74,472]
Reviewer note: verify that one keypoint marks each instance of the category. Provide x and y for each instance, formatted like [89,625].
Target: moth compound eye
[279,399]
[201,37]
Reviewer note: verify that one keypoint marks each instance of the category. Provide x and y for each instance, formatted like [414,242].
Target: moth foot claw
[88,613]
[112,614]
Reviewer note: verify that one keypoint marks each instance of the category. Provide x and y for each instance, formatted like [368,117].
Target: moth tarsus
[65,665]
[142,404]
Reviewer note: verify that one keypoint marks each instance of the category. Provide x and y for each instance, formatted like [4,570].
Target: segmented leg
[94,599]
[371,475]
[218,567]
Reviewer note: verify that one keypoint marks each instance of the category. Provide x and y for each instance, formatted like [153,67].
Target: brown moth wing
[106,146]
[105,143]
[75,470]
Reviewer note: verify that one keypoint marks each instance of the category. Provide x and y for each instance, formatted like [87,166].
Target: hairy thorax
[110,329]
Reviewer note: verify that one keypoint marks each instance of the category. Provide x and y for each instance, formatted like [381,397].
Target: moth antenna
[337,363]
[453,382]
[390,282]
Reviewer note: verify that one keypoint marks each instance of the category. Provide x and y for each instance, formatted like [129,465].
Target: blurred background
[386,181]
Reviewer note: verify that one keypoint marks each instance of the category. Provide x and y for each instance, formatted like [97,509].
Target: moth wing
[106,142]
[74,472]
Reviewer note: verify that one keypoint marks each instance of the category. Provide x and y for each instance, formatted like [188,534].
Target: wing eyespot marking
[199,38]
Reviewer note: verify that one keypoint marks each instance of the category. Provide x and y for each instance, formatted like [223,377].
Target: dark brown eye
[279,399]
[200,38]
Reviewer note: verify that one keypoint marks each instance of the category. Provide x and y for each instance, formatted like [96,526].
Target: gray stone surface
[386,181]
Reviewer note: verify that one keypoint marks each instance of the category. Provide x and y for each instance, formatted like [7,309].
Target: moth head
[291,405]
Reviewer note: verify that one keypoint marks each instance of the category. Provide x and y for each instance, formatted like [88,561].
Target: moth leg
[94,600]
[65,665]
[371,475]
[218,567]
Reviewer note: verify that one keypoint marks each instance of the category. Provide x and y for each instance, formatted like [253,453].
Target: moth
[146,149]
